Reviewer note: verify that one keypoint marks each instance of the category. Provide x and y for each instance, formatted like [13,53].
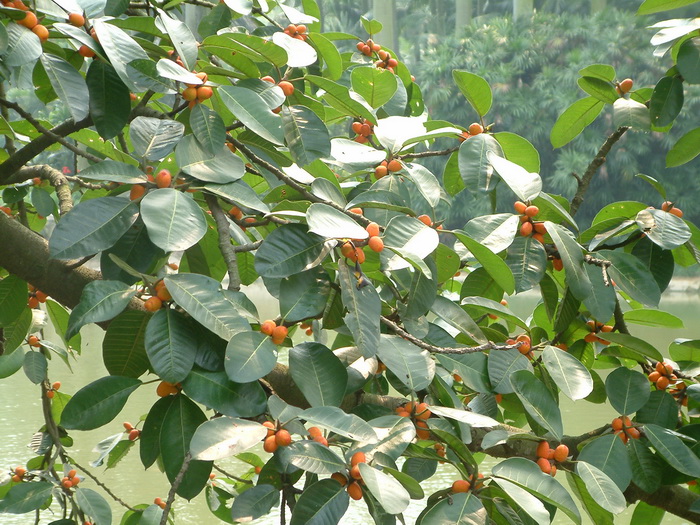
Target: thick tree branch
[592,168]
[57,179]
[225,246]
[671,498]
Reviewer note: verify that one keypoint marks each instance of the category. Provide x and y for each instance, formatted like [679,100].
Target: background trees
[181,164]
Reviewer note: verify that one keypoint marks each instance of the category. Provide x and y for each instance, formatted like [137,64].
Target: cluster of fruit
[30,21]
[363,129]
[308,330]
[277,333]
[622,426]
[595,328]
[528,227]
[163,179]
[71,480]
[525,346]
[670,208]
[134,433]
[159,502]
[625,86]
[419,413]
[296,31]
[386,167]
[18,474]
[155,303]
[35,297]
[276,437]
[354,488]
[663,376]
[375,242]
[547,456]
[194,93]
[286,86]
[55,387]
[165,389]
[474,129]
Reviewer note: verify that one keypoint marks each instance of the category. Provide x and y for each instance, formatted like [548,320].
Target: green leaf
[252,110]
[637,345]
[538,401]
[415,491]
[471,367]
[609,454]
[598,514]
[666,101]
[121,49]
[371,26]
[574,120]
[532,507]
[202,298]
[459,508]
[628,112]
[501,365]
[133,251]
[35,367]
[99,301]
[313,457]
[123,350]
[222,167]
[492,263]
[208,127]
[254,47]
[288,250]
[110,105]
[519,150]
[254,503]
[650,317]
[181,37]
[654,6]
[98,403]
[24,46]
[338,97]
[685,150]
[526,474]
[364,309]
[628,390]
[216,391]
[110,170]
[154,138]
[92,226]
[472,419]
[410,364]
[170,344]
[328,222]
[570,375]
[598,88]
[173,220]
[388,492]
[249,356]
[477,306]
[673,450]
[224,437]
[410,237]
[688,61]
[661,409]
[330,55]
[456,317]
[94,505]
[68,84]
[26,497]
[630,274]
[338,421]
[375,85]
[322,503]
[13,299]
[474,164]
[179,424]
[601,71]
[601,301]
[11,363]
[601,488]
[320,375]
[304,295]
[496,232]
[475,89]
[527,260]
[306,134]
[647,467]
[572,256]
[663,228]
[425,181]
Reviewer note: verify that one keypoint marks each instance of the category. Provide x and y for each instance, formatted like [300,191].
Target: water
[21,417]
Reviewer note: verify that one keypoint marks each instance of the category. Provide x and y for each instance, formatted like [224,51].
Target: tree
[270,151]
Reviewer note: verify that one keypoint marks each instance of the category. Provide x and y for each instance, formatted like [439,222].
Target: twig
[441,349]
[102,485]
[174,487]
[258,11]
[232,476]
[57,179]
[225,246]
[592,168]
[602,264]
[247,247]
[295,185]
[424,154]
[41,129]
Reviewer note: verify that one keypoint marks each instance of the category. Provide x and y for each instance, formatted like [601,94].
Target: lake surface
[20,417]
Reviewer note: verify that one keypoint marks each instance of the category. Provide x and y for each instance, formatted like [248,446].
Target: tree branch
[174,487]
[225,246]
[592,168]
[671,498]
[57,179]
[102,486]
[423,154]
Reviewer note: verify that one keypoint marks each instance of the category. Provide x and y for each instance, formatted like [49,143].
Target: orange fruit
[76,19]
[163,179]
[165,389]
[314,431]
[56,385]
[475,128]
[153,304]
[543,449]
[137,191]
[654,376]
[86,51]
[358,211]
[358,457]
[461,485]
[372,229]
[34,341]
[626,85]
[394,165]
[557,264]
[545,465]
[590,338]
[357,127]
[267,327]
[616,424]
[422,411]
[134,434]
[531,211]
[340,478]
[632,433]
[270,444]
[526,229]
[29,20]
[561,453]
[287,88]
[355,491]
[41,32]
[376,244]
[662,383]
[425,219]
[666,206]
[520,207]
[540,228]
[269,79]
[676,211]
[20,471]
[204,93]
[283,438]
[279,332]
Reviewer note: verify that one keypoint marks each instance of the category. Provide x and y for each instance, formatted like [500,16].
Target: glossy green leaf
[288,250]
[24,47]
[519,150]
[655,6]
[630,274]
[109,99]
[609,454]
[647,467]
[456,317]
[306,134]
[601,299]
[538,401]
[338,421]
[410,364]
[375,85]
[389,493]
[320,375]
[685,150]
[501,365]
[570,375]
[673,450]
[68,84]
[628,390]
[313,457]
[221,167]
[475,89]
[364,308]
[650,317]
[471,367]
[13,299]
[98,403]
[304,295]
[249,356]
[494,231]
[322,503]
[253,111]
[572,256]
[531,507]
[35,367]
[600,89]
[666,101]
[181,37]
[527,261]
[601,488]
[526,186]
[663,228]
[94,505]
[688,61]
[224,437]
[170,344]
[459,508]
[254,503]
[173,220]
[637,345]
[26,497]
[92,226]
[494,265]
[328,222]
[338,97]
[474,164]
[629,112]
[574,120]
[99,301]
[110,170]
[123,350]
[121,49]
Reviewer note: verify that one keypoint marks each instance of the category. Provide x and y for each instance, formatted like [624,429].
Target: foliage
[247,151]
